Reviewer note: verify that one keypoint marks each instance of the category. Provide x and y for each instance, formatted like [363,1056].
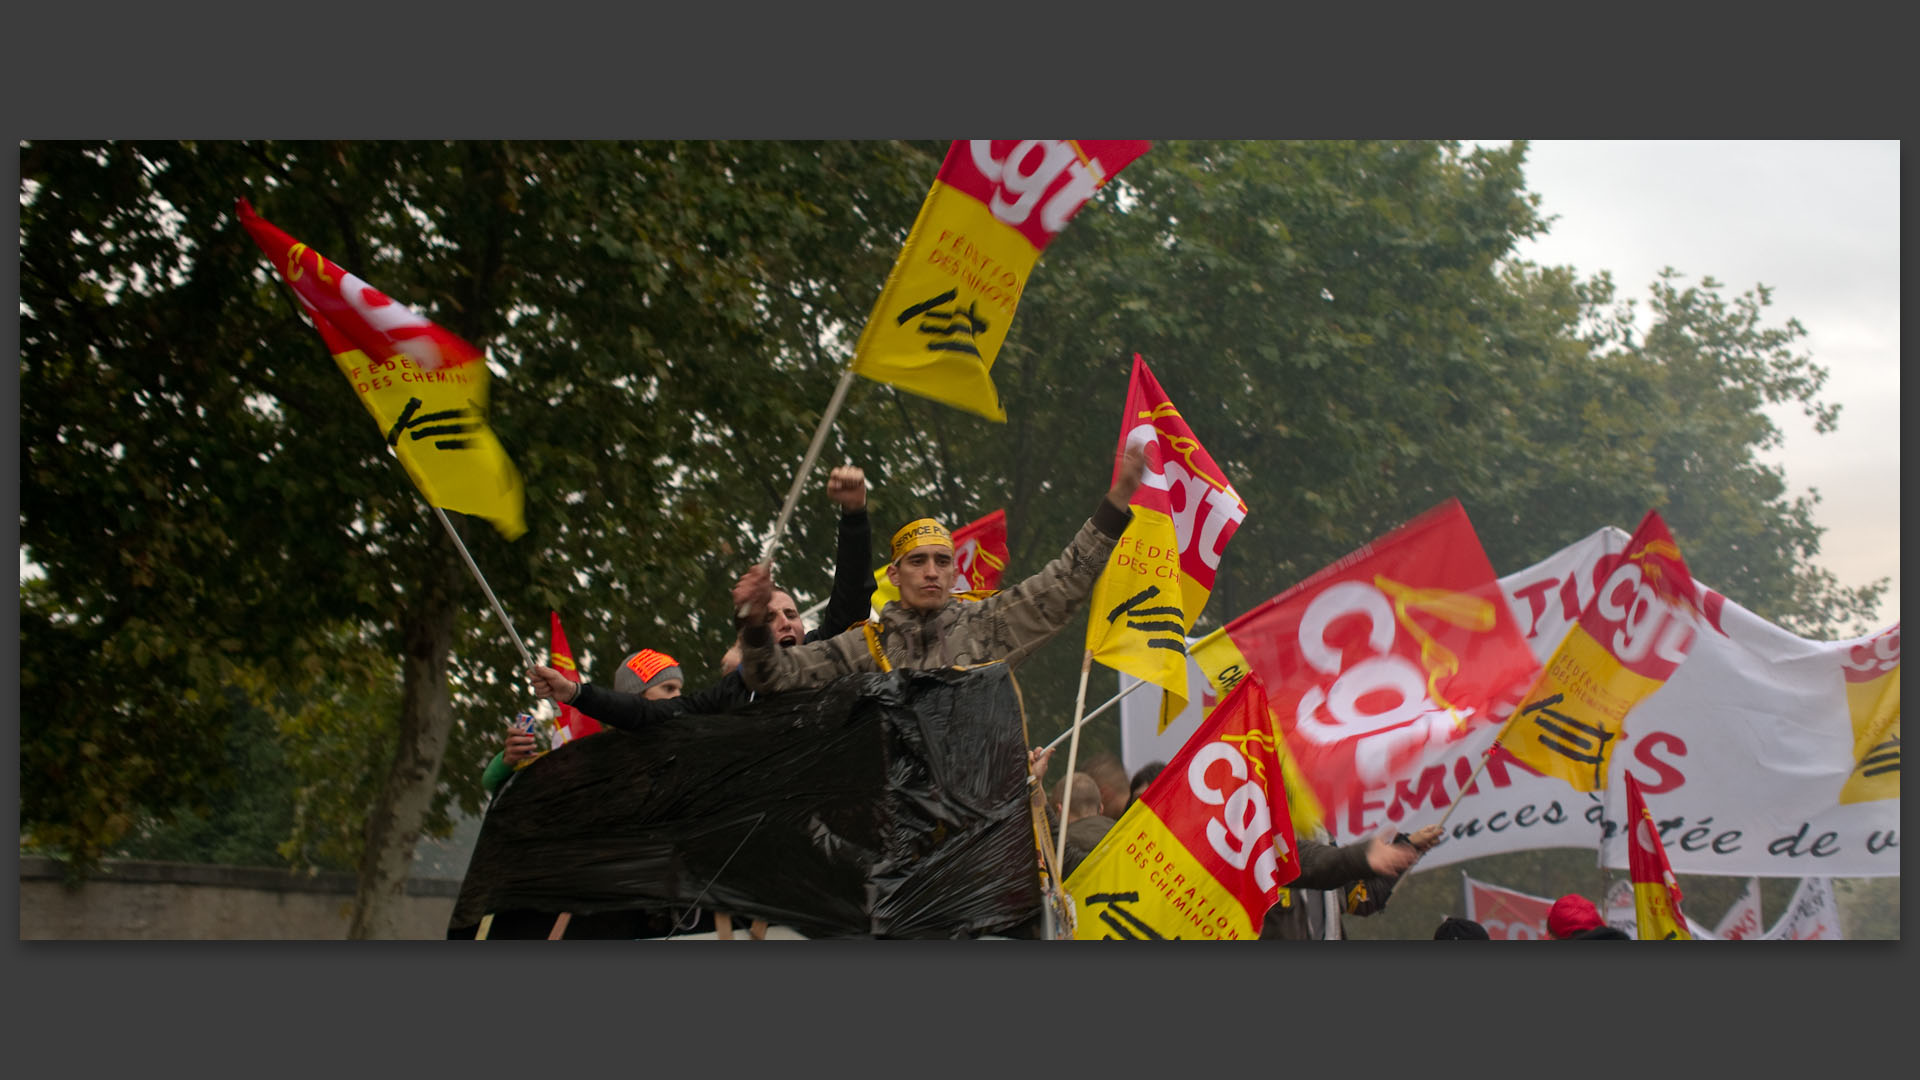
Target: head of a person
[1086,797]
[651,674]
[1143,779]
[922,567]
[1111,775]
[783,618]
[1454,928]
[1572,914]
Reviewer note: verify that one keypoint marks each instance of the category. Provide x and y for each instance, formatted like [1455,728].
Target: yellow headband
[923,533]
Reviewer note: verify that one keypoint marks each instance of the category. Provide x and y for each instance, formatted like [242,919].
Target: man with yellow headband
[928,627]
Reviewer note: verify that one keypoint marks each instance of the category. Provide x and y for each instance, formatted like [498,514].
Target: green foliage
[224,536]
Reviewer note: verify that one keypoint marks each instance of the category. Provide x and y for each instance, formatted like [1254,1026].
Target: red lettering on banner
[1432,789]
[1670,775]
[1535,596]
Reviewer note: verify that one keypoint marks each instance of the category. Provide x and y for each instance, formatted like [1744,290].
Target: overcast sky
[1819,223]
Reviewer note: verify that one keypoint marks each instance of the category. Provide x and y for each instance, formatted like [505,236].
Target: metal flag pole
[806,465]
[525,657]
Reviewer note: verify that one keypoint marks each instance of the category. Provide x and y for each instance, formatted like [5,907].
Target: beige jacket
[1008,625]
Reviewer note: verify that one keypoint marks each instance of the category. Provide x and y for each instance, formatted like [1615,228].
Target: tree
[258,537]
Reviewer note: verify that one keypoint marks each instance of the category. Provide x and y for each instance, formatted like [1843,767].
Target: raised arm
[852,596]
[1027,615]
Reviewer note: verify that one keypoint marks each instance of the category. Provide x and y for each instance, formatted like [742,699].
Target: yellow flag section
[1627,643]
[951,295]
[1656,892]
[1162,571]
[1873,698]
[1202,853]
[426,388]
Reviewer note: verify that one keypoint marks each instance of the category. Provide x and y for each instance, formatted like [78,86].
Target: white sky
[1819,223]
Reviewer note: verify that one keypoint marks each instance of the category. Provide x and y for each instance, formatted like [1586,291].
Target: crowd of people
[929,627]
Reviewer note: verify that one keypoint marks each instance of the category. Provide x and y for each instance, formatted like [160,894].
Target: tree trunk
[426,720]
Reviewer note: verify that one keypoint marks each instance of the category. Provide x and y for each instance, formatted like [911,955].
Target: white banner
[1743,755]
[1811,915]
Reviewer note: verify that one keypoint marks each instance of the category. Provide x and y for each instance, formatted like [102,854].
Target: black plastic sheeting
[888,805]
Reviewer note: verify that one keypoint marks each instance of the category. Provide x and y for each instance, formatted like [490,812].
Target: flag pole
[806,465]
[1468,786]
[1111,702]
[525,657]
[1073,752]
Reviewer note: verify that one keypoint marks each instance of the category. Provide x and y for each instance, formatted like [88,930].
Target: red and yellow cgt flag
[1204,851]
[1656,892]
[571,724]
[979,558]
[1629,640]
[1162,570]
[1402,645]
[426,388]
[950,297]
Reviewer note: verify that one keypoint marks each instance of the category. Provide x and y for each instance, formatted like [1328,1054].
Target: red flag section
[980,554]
[571,723]
[1656,892]
[1399,646]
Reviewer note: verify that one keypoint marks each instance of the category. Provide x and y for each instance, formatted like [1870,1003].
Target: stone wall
[159,901]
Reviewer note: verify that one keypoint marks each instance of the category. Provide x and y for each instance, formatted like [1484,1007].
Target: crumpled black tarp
[888,805]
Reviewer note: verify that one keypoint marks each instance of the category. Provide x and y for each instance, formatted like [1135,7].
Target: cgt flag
[1202,853]
[1398,647]
[979,558]
[1162,570]
[426,388]
[1630,638]
[571,724]
[950,297]
[1656,892]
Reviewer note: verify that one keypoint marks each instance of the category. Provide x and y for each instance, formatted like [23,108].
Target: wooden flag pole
[1111,702]
[1073,752]
[1468,786]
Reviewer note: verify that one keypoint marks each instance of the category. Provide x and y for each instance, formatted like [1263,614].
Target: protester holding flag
[648,674]
[1363,872]
[848,604]
[928,627]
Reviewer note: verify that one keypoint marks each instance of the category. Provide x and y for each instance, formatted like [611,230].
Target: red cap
[1571,914]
